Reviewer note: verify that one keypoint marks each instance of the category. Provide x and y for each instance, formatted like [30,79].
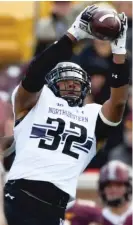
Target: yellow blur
[17,28]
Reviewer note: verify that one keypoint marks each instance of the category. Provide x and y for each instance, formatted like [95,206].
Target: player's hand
[118,46]
[80,29]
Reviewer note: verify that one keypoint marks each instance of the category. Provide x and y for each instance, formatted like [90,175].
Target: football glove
[118,46]
[80,29]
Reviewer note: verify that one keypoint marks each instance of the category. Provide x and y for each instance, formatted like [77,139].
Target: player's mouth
[71,93]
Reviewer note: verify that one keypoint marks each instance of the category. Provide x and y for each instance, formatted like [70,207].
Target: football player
[55,134]
[83,212]
[115,188]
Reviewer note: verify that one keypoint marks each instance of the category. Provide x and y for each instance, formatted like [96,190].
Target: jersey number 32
[55,135]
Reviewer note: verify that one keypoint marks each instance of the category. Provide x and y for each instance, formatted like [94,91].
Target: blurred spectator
[129,102]
[52,28]
[10,76]
[123,151]
[5,113]
[8,128]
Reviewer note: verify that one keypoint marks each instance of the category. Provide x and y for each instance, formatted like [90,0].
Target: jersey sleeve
[93,111]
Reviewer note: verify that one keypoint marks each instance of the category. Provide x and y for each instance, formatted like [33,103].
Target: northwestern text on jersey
[68,114]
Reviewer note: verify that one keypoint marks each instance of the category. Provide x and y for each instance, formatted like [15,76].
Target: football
[105,24]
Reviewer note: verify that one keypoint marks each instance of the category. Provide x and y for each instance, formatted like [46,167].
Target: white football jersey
[55,142]
[115,219]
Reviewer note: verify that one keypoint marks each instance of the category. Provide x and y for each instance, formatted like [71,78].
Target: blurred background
[26,29]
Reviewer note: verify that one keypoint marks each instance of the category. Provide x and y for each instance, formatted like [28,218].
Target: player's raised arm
[112,110]
[31,85]
[28,91]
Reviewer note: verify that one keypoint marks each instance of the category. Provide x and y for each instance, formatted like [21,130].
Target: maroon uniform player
[115,187]
[83,213]
[128,220]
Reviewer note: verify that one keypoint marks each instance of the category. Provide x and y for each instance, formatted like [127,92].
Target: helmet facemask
[65,72]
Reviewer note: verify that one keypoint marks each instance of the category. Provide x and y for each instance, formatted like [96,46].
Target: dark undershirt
[102,130]
[43,63]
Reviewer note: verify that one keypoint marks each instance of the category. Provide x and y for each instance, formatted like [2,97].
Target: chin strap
[116,202]
[73,101]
